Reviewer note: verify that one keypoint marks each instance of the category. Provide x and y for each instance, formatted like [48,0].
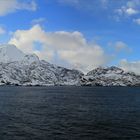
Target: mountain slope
[29,70]
[111,76]
[9,53]
[17,68]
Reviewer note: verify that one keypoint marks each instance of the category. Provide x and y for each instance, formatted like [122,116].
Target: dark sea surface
[69,113]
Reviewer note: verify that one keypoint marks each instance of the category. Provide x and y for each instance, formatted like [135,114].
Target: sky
[80,34]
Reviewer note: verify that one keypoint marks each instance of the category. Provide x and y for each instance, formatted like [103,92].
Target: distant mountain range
[17,68]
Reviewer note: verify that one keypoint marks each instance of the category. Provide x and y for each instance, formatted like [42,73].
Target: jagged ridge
[110,76]
[17,68]
[29,70]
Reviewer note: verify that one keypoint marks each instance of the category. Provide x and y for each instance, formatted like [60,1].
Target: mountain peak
[10,53]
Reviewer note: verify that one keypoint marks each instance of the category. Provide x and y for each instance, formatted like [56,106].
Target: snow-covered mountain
[9,53]
[110,76]
[17,68]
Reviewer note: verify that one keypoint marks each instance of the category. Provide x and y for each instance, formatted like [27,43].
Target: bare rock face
[110,76]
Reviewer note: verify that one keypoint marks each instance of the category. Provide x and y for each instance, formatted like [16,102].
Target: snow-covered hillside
[110,76]
[17,68]
[9,53]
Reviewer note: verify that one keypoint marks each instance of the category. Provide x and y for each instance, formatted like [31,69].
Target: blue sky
[75,33]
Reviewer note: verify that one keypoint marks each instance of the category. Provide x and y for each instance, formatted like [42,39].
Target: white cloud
[133,66]
[137,21]
[119,46]
[133,3]
[129,8]
[127,11]
[38,21]
[70,47]
[2,31]
[122,8]
[131,11]
[8,6]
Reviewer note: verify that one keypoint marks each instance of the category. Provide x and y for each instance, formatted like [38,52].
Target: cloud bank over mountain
[70,47]
[63,32]
[133,66]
